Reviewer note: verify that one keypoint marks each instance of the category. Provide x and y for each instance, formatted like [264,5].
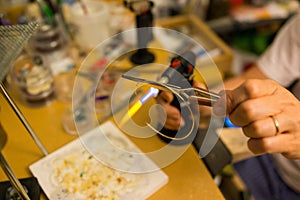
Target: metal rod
[23,120]
[13,179]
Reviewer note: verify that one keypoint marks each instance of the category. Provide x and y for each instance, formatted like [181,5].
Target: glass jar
[50,44]
[34,80]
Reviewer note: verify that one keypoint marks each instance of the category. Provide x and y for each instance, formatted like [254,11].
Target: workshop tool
[12,40]
[204,97]
[7,169]
[178,79]
[144,25]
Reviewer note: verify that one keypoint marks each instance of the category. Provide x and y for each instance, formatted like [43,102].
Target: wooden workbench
[188,176]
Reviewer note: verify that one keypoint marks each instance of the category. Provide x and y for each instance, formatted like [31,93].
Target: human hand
[173,119]
[268,114]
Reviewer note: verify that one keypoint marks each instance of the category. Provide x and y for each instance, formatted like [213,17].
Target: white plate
[71,172]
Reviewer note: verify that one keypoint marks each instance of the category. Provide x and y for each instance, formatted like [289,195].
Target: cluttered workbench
[68,166]
[188,176]
[185,178]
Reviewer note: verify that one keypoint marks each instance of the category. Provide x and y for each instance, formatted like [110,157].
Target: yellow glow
[131,112]
[134,108]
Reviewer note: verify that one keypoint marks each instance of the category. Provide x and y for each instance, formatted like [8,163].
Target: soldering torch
[179,75]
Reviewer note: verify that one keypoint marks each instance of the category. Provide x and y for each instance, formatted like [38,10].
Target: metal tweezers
[203,96]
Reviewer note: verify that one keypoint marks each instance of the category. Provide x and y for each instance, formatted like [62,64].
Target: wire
[191,114]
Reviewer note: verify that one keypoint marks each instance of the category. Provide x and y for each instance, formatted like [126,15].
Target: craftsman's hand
[174,120]
[268,114]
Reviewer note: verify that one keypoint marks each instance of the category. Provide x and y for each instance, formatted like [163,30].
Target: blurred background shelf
[192,26]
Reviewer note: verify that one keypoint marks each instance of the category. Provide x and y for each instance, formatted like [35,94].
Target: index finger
[250,89]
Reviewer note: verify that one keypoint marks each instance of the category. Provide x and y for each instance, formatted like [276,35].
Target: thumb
[219,107]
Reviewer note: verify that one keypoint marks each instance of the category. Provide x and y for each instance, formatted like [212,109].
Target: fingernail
[219,107]
[219,110]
